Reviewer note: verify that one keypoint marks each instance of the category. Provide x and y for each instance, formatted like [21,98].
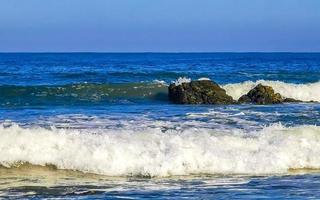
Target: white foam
[304,92]
[181,80]
[275,149]
[160,82]
[204,79]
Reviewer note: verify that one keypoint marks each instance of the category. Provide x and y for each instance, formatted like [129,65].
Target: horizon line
[150,52]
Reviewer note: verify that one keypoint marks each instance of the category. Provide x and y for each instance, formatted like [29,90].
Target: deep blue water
[61,69]
[123,95]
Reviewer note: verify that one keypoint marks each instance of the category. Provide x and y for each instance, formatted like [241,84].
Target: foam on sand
[151,152]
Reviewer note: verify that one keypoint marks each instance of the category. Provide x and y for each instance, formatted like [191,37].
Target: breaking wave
[304,92]
[152,152]
[93,93]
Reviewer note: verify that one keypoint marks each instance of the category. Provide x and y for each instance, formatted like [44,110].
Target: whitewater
[151,152]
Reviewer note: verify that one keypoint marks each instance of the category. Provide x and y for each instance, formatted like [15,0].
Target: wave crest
[80,93]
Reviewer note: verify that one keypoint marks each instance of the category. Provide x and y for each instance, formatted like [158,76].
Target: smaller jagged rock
[199,92]
[261,95]
[291,100]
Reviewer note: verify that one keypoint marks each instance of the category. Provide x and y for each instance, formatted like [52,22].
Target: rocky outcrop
[205,91]
[262,94]
[199,92]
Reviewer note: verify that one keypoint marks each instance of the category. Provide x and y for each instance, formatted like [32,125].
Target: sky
[160,25]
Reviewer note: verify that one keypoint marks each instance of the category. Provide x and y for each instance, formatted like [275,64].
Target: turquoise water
[87,125]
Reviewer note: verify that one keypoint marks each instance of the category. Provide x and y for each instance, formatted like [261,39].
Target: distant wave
[151,152]
[304,92]
[80,93]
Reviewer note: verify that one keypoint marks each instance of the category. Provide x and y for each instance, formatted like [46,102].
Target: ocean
[100,126]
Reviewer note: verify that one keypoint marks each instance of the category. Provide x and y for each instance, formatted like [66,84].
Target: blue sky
[159,25]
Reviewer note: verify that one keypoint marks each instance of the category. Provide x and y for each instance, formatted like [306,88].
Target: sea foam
[181,80]
[304,92]
[152,152]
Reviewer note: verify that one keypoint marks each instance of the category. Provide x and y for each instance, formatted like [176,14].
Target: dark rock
[199,92]
[261,95]
[291,100]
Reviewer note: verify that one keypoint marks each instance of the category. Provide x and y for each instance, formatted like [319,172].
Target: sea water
[96,125]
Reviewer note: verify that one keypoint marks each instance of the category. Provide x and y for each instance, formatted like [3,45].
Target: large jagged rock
[199,92]
[262,95]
